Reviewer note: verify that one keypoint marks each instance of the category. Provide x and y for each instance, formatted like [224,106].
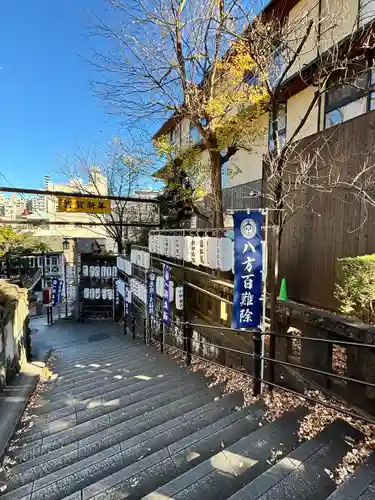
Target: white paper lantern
[166,246]
[162,244]
[97,272]
[147,260]
[179,298]
[103,272]
[109,293]
[204,251]
[226,256]
[157,243]
[92,271]
[196,250]
[171,291]
[120,262]
[120,288]
[151,243]
[188,248]
[179,247]
[159,286]
[172,246]
[114,271]
[86,293]
[85,270]
[133,256]
[92,293]
[97,293]
[212,253]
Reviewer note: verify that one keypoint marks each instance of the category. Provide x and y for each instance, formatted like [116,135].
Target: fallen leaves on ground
[27,420]
[279,401]
[339,359]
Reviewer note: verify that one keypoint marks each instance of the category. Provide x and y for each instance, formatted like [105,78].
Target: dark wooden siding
[242,196]
[338,226]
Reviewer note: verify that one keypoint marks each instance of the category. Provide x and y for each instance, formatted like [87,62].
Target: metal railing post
[188,343]
[133,321]
[257,362]
[125,324]
[162,336]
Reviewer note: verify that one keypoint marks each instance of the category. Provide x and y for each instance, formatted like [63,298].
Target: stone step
[104,362]
[91,352]
[96,467]
[156,468]
[165,395]
[359,486]
[46,405]
[107,428]
[69,454]
[116,367]
[141,370]
[236,465]
[94,357]
[139,391]
[307,472]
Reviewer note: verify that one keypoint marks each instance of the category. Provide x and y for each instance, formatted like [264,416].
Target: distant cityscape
[33,214]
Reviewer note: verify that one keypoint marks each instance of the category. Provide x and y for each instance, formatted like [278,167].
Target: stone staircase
[122,421]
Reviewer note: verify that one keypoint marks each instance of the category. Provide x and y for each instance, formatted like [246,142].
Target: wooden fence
[335,225]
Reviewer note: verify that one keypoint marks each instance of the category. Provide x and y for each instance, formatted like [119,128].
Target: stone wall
[14,323]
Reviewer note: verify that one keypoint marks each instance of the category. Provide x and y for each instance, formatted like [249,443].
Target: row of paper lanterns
[140,291]
[124,265]
[140,258]
[99,271]
[124,291]
[207,251]
[98,293]
[170,246]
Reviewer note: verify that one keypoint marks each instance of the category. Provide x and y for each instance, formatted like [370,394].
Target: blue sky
[47,108]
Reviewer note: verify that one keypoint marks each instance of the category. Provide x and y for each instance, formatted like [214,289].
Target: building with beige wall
[333,22]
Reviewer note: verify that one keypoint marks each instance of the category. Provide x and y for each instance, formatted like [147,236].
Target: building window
[281,128]
[366,11]
[224,175]
[345,101]
[172,136]
[277,66]
[194,136]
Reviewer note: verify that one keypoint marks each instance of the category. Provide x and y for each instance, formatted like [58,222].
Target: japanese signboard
[55,291]
[166,306]
[83,205]
[126,299]
[247,302]
[151,293]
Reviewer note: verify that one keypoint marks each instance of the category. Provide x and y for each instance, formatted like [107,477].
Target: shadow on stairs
[121,421]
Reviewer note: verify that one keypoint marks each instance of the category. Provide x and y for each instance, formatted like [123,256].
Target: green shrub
[355,288]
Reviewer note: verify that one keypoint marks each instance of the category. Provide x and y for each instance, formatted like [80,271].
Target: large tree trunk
[217,190]
[120,246]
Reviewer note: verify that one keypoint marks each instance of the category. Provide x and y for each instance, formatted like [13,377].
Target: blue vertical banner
[59,295]
[151,293]
[55,291]
[248,261]
[126,299]
[166,306]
